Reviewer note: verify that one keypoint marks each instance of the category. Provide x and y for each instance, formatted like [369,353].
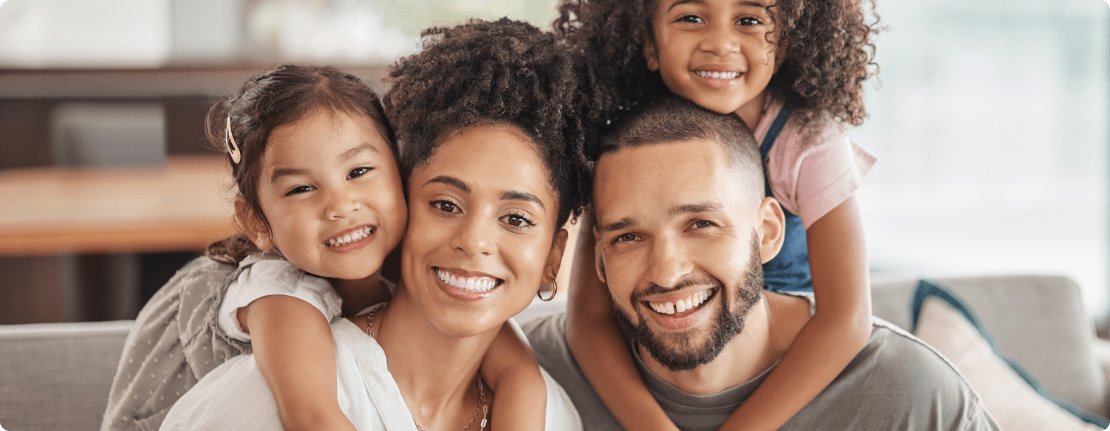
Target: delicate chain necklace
[482,407]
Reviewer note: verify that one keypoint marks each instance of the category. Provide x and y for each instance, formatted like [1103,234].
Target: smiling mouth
[716,75]
[349,237]
[469,284]
[681,305]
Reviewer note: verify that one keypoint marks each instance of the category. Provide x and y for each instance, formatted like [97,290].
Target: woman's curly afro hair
[501,72]
[829,56]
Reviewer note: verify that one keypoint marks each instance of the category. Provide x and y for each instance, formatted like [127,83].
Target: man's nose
[669,262]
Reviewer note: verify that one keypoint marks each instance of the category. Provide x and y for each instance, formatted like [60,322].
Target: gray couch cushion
[1043,327]
[56,376]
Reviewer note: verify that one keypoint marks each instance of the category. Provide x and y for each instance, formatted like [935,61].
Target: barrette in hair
[232,147]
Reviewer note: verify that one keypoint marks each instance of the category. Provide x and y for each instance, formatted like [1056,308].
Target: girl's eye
[748,21]
[692,19]
[357,172]
[446,206]
[518,220]
[300,189]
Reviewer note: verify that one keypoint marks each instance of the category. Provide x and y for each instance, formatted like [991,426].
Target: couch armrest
[1102,355]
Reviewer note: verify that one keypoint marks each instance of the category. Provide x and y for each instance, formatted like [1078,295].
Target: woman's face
[482,218]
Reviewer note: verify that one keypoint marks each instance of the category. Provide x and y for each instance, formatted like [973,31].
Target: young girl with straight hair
[320,205]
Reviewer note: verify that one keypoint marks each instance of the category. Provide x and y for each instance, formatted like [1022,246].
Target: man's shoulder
[897,382]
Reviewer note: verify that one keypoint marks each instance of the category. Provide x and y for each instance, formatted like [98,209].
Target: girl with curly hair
[793,71]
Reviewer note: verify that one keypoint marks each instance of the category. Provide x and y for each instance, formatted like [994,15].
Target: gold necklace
[482,407]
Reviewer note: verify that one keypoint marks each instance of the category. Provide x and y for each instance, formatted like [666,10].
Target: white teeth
[350,237]
[717,75]
[680,305]
[474,284]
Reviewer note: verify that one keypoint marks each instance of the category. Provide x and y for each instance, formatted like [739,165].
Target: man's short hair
[674,119]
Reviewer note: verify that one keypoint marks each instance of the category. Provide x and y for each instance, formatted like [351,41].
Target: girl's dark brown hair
[281,96]
[829,52]
[503,72]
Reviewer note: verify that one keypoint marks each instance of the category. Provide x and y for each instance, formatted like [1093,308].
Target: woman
[492,127]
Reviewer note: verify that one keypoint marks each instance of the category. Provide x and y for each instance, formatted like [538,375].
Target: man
[682,230]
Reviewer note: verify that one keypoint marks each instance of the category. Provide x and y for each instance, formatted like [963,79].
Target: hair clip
[232,147]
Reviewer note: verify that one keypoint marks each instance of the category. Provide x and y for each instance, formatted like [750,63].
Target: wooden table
[181,206]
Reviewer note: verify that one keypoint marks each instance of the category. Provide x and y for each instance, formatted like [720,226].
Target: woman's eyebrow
[515,195]
[451,181]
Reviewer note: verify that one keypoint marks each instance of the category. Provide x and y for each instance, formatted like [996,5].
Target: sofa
[57,376]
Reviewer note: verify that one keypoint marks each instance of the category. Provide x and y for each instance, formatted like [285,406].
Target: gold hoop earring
[554,290]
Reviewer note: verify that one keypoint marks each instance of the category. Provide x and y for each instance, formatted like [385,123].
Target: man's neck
[769,327]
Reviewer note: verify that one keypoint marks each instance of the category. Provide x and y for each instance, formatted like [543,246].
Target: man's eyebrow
[522,196]
[623,223]
[696,208]
[451,181]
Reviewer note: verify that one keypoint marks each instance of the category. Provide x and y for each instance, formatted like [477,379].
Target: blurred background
[991,121]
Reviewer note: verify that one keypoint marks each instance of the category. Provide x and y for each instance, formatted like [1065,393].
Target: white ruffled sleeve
[275,277]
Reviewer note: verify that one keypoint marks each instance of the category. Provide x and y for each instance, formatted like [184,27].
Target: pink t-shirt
[811,178]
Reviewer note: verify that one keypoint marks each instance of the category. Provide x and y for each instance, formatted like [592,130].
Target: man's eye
[357,172]
[300,189]
[627,237]
[698,224]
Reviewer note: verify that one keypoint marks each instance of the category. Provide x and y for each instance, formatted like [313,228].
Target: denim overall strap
[789,270]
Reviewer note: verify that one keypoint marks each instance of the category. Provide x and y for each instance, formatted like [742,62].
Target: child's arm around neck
[295,352]
[520,393]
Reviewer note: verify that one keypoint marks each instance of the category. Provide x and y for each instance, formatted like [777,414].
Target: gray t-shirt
[896,383]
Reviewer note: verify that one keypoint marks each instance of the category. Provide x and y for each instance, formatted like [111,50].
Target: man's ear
[651,54]
[555,257]
[252,225]
[772,229]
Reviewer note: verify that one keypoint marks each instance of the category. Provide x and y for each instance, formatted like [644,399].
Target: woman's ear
[772,229]
[252,225]
[651,54]
[555,257]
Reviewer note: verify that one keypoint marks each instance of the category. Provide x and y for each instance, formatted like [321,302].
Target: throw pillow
[1008,392]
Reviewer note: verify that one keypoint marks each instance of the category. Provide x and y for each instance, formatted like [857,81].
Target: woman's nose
[475,237]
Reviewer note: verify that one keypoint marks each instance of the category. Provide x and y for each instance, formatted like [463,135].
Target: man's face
[678,240]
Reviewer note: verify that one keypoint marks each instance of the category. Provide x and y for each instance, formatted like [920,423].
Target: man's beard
[677,352]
